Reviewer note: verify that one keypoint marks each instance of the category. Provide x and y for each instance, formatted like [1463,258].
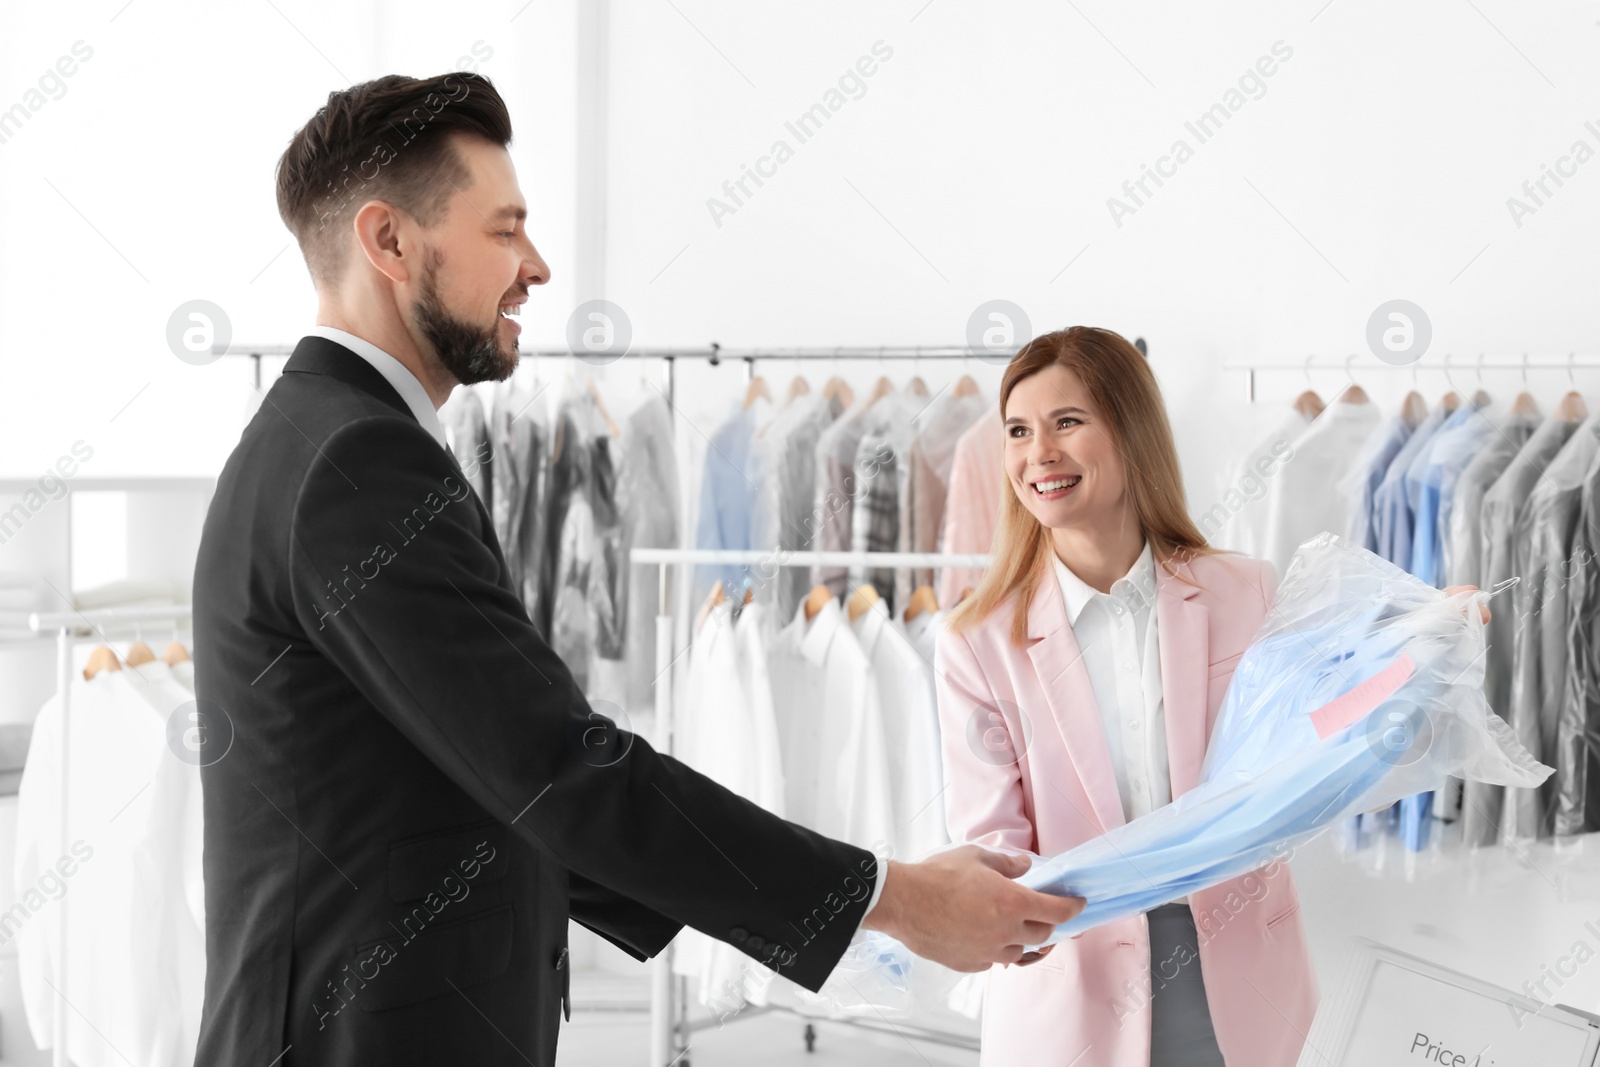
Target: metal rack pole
[58,1039]
[1573,361]
[661,1030]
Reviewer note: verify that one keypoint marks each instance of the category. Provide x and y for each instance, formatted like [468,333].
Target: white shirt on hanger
[127,989]
[1243,495]
[395,373]
[830,726]
[911,723]
[716,738]
[1309,493]
[750,634]
[1116,636]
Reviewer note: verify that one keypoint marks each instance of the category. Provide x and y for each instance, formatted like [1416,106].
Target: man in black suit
[405,800]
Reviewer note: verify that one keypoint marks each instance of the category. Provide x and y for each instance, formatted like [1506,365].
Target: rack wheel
[811,1038]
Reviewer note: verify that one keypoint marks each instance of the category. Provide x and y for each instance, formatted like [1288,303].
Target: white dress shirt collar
[1137,586]
[870,625]
[819,632]
[395,373]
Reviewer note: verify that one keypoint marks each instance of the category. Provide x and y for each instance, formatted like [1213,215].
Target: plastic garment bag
[1363,686]
[1578,728]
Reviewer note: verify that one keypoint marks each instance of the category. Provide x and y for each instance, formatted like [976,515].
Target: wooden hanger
[917,387]
[838,387]
[716,597]
[101,659]
[756,388]
[1525,406]
[611,425]
[861,601]
[139,654]
[965,386]
[175,654]
[798,387]
[882,389]
[1413,409]
[816,600]
[1309,404]
[1572,408]
[1451,401]
[749,595]
[922,599]
[1481,399]
[1353,394]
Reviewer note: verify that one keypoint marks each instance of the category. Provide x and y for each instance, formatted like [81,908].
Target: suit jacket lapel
[1065,680]
[1182,627]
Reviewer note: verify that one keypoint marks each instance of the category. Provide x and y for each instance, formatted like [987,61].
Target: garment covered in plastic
[1545,531]
[1578,731]
[1363,686]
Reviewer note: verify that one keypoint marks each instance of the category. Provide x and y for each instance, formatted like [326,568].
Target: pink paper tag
[1340,712]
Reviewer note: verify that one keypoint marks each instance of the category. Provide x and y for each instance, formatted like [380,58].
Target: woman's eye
[508,234]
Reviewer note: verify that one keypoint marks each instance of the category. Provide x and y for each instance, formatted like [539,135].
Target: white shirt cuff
[877,890]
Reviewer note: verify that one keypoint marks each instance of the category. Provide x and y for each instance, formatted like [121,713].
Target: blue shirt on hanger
[1391,508]
[1394,436]
[728,497]
[1431,484]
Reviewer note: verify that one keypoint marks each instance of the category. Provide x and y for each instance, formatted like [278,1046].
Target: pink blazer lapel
[1182,625]
[1058,663]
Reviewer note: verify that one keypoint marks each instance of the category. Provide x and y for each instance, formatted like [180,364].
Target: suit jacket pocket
[475,854]
[1283,916]
[444,956]
[1224,666]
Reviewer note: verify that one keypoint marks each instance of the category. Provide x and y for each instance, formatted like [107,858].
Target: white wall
[149,182]
[979,161]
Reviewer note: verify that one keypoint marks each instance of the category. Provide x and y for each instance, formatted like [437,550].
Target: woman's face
[1059,455]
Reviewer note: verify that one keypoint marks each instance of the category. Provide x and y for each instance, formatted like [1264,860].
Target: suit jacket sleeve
[393,582]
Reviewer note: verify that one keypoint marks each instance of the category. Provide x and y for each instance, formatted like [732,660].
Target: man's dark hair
[386,139]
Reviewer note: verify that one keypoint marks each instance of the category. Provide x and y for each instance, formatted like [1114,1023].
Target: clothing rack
[70,627]
[713,353]
[669,1022]
[1446,364]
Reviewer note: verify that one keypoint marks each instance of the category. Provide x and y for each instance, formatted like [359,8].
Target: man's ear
[377,226]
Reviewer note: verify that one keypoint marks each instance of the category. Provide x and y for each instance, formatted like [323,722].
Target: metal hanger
[1524,405]
[1308,403]
[1353,393]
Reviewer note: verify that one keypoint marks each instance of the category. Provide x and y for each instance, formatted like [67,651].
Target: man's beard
[469,352]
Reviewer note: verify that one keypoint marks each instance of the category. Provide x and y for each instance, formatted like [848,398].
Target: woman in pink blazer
[1029,749]
[1078,685]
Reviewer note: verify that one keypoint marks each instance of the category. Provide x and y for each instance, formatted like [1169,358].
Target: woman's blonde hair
[1125,394]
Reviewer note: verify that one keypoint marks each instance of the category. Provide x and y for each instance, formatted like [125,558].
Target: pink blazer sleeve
[984,797]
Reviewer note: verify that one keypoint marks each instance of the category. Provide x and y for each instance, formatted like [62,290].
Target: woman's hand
[1482,608]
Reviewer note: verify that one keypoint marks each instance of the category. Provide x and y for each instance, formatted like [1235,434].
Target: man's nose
[535,271]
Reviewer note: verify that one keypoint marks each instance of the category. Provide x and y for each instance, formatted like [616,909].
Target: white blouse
[1116,635]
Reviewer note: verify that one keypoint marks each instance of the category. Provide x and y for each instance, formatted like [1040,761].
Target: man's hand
[962,909]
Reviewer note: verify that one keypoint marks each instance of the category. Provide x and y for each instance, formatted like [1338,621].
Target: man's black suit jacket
[416,797]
